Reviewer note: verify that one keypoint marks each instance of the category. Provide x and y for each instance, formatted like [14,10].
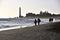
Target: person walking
[39,21]
[35,22]
[50,19]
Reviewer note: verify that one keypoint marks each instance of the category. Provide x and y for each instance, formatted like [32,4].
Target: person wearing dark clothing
[39,21]
[50,19]
[35,22]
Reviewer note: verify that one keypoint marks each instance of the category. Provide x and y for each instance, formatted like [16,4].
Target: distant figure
[35,22]
[39,21]
[50,19]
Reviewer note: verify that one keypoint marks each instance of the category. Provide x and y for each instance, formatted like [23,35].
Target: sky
[10,8]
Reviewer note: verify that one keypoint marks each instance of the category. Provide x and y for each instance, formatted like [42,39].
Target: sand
[49,31]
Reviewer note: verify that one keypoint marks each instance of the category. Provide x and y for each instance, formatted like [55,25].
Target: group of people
[50,19]
[37,21]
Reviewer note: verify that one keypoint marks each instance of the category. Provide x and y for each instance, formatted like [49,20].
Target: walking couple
[37,21]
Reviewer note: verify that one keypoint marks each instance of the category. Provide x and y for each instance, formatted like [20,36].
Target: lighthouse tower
[19,12]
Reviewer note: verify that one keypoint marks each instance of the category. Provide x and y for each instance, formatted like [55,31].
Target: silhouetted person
[39,21]
[35,22]
[50,19]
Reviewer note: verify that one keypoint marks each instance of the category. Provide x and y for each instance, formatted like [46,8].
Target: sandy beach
[49,31]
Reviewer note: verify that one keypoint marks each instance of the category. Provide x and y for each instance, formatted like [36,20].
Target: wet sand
[49,31]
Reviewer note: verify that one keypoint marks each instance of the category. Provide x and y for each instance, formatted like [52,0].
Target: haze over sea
[21,23]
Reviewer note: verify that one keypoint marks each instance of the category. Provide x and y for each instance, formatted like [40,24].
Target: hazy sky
[10,8]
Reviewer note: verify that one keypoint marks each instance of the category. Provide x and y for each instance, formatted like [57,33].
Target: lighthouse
[19,12]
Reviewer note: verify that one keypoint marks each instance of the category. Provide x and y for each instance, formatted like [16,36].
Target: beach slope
[49,31]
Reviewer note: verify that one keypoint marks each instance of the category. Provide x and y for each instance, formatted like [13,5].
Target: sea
[15,23]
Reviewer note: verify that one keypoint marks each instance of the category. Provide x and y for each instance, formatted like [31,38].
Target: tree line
[42,14]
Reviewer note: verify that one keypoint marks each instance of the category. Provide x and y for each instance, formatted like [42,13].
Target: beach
[49,31]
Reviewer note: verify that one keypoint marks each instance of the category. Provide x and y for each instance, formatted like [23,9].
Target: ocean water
[21,23]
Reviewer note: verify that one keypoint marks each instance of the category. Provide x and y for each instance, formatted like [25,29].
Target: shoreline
[39,32]
[27,25]
[19,27]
